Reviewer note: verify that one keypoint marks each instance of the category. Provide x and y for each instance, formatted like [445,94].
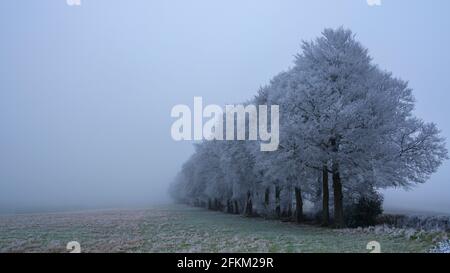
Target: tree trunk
[229,206]
[338,198]
[249,205]
[217,204]
[277,201]
[267,197]
[298,205]
[325,198]
[236,207]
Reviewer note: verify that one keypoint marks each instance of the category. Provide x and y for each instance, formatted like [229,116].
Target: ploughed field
[177,228]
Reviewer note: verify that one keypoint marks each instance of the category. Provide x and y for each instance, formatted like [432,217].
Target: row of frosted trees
[347,129]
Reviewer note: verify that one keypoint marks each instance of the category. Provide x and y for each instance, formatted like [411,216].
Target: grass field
[177,228]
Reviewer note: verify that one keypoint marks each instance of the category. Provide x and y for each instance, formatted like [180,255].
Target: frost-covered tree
[341,117]
[352,114]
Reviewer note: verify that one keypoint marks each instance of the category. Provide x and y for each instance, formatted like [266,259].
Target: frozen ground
[180,229]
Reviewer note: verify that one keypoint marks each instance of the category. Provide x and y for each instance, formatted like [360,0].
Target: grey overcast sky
[86,91]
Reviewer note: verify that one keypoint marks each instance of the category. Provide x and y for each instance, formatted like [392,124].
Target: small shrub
[365,211]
